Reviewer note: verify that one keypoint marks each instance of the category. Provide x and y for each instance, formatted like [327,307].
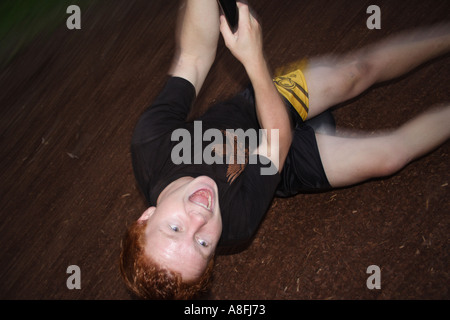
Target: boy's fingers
[224,27]
[244,12]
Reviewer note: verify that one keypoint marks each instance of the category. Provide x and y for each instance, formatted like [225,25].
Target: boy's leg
[348,161]
[197,36]
[332,80]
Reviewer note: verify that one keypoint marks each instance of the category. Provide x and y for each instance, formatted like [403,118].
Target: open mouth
[203,198]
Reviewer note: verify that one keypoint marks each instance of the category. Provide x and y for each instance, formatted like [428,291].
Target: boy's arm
[196,38]
[247,46]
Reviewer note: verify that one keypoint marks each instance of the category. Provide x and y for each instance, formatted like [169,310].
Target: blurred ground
[68,105]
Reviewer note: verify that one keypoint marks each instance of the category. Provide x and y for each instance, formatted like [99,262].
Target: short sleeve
[168,111]
[150,146]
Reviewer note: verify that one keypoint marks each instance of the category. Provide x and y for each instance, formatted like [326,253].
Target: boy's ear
[147,214]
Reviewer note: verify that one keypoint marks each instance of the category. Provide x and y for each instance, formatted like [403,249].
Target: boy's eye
[174,228]
[203,243]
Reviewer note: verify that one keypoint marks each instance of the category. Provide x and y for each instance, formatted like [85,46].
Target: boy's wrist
[256,67]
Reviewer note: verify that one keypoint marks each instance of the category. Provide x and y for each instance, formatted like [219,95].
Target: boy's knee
[356,75]
[392,158]
[359,73]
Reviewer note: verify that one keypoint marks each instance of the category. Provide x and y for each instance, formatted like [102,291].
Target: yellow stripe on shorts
[293,87]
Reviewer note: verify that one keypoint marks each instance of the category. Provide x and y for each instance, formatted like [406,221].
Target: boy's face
[183,230]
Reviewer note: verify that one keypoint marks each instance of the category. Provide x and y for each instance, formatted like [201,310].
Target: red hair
[146,279]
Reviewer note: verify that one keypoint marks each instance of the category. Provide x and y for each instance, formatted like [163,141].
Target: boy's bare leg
[349,161]
[197,36]
[332,80]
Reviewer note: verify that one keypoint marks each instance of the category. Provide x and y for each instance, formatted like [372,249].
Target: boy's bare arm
[197,35]
[247,46]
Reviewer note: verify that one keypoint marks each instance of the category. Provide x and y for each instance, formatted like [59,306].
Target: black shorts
[303,171]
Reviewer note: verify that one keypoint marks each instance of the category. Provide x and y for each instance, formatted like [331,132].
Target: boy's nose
[197,219]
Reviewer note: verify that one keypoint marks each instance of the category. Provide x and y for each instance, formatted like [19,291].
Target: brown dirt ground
[69,103]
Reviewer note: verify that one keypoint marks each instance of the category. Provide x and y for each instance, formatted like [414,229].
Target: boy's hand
[246,43]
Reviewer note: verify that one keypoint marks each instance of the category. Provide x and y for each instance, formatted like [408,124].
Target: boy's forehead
[175,256]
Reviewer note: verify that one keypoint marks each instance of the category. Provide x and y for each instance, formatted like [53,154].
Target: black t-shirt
[244,193]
